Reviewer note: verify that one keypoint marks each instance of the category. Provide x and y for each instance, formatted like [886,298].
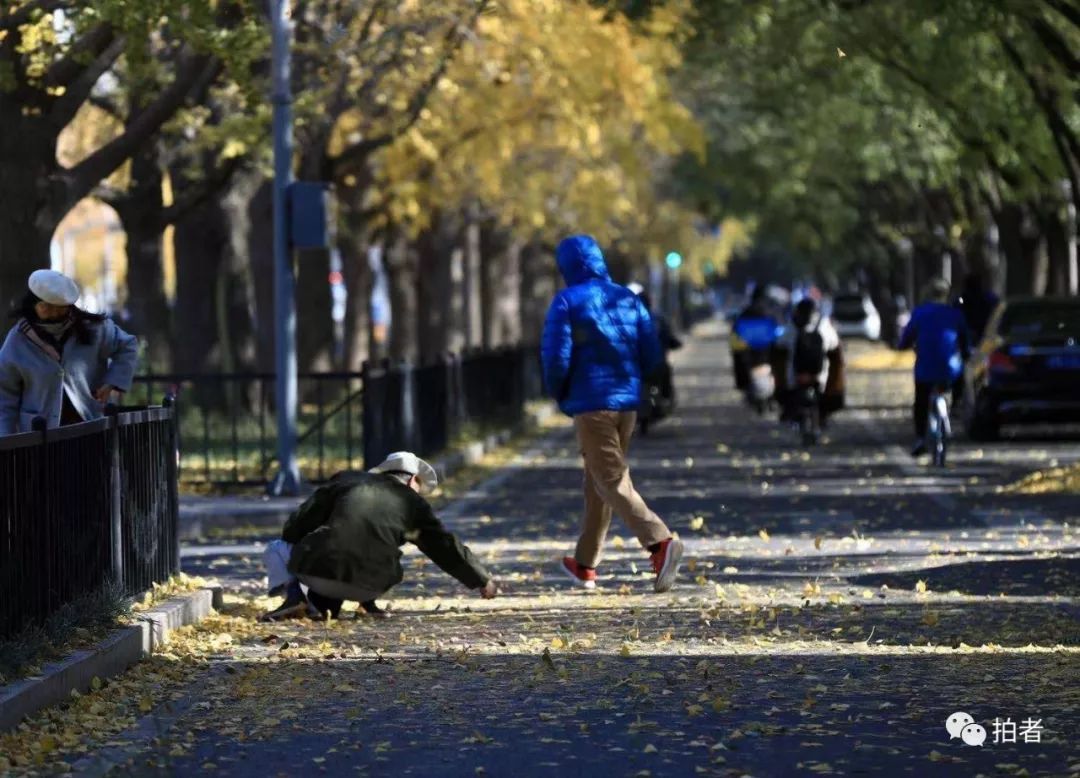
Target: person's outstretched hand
[489,590]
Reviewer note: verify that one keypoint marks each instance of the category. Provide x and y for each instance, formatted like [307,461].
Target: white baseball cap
[53,287]
[407,462]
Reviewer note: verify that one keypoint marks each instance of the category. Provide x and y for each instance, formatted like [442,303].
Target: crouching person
[344,542]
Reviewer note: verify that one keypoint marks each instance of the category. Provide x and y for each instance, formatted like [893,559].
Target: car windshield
[1041,318]
[849,308]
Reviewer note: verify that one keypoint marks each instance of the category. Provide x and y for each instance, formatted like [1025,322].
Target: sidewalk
[837,607]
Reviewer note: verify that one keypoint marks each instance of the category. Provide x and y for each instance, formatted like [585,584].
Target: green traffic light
[674,260]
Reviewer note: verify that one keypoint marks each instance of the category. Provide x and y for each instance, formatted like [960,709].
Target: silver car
[855,316]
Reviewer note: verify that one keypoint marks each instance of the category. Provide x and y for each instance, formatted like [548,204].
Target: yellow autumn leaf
[920,587]
[146,705]
[697,523]
[557,642]
[818,541]
[763,534]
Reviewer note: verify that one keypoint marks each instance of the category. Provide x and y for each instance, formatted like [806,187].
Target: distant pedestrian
[814,356]
[598,342]
[59,361]
[344,542]
[938,333]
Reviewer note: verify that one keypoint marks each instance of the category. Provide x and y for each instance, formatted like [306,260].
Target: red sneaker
[586,576]
[665,563]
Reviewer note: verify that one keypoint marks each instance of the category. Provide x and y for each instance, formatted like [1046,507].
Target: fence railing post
[173,475]
[116,525]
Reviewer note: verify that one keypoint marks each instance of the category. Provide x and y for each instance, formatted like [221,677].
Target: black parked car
[1027,368]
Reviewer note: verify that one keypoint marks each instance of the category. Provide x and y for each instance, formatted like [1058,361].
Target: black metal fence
[85,504]
[422,408]
[227,422]
[228,427]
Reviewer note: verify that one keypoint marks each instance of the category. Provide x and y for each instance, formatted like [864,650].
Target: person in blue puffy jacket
[598,343]
[939,335]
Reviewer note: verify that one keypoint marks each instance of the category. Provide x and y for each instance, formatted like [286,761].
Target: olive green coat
[352,531]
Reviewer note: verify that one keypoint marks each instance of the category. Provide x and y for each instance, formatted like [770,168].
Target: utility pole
[287,479]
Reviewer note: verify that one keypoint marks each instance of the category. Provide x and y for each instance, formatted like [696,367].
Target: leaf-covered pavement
[837,606]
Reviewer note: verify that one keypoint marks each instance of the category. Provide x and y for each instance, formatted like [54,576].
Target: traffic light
[674,260]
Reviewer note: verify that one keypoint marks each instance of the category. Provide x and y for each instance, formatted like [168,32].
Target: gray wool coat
[33,377]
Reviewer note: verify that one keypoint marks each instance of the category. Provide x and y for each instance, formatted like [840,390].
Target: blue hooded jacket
[599,339]
[940,337]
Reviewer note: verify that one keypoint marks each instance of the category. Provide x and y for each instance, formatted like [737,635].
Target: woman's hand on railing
[105,393]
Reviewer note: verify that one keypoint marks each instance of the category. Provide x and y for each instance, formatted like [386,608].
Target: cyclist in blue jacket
[598,343]
[939,335]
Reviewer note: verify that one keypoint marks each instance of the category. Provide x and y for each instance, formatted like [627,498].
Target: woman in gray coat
[59,361]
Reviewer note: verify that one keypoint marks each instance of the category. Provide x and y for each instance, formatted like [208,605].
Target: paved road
[840,604]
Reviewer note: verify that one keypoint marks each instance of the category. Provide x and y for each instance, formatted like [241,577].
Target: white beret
[54,288]
[408,462]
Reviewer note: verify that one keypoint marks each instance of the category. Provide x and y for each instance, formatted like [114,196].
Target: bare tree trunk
[502,287]
[141,211]
[201,241]
[354,243]
[1057,248]
[260,240]
[240,302]
[473,266]
[26,223]
[401,266]
[1020,244]
[213,322]
[538,287]
[439,288]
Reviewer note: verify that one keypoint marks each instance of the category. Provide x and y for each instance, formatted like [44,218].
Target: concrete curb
[197,522]
[112,656]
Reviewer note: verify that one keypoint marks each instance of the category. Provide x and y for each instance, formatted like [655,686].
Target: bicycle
[938,427]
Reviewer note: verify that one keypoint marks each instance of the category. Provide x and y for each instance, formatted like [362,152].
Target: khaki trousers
[604,438]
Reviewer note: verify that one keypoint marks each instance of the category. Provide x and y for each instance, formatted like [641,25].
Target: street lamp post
[287,479]
[673,261]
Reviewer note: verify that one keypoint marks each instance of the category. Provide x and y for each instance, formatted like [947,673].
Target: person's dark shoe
[372,609]
[324,606]
[665,562]
[919,448]
[295,606]
[585,576]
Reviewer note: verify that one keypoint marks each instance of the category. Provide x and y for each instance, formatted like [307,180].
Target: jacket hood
[580,259]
